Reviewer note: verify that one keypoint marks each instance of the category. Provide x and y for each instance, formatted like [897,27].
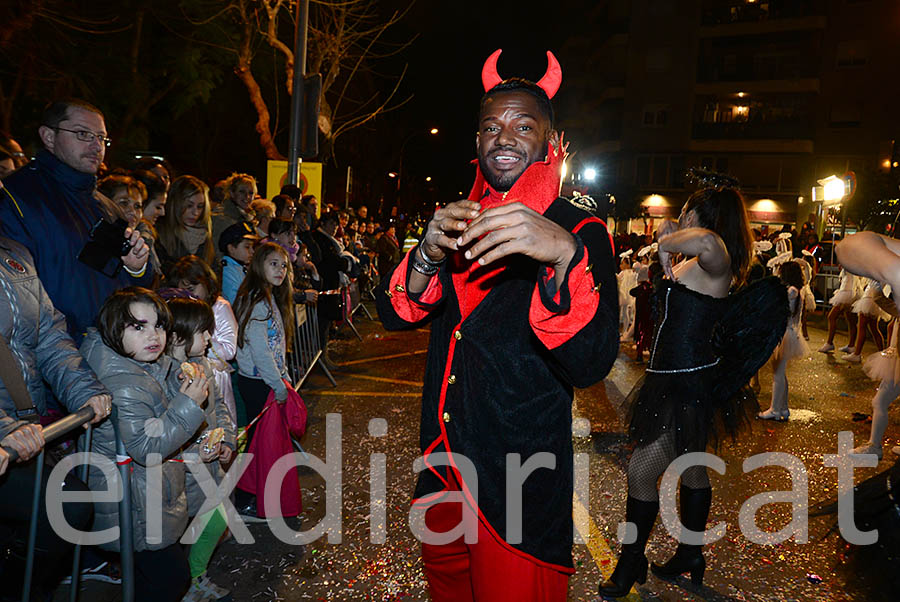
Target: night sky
[444,76]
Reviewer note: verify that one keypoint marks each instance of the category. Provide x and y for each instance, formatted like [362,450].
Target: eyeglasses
[86,136]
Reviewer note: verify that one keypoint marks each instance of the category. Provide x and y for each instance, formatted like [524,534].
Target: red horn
[552,79]
[489,76]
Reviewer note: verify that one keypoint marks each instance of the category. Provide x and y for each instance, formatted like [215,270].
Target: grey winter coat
[38,339]
[216,416]
[149,423]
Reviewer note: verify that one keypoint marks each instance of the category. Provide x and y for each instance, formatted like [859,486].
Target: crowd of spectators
[90,252]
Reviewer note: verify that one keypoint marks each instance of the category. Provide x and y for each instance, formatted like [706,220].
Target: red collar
[536,188]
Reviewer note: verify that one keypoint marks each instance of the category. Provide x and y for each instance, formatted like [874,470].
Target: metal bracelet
[424,258]
[424,268]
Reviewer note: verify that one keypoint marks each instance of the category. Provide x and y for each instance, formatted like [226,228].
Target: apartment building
[778,94]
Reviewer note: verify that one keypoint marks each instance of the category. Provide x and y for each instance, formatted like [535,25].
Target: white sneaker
[867,449]
[826,348]
[853,358]
[846,349]
[203,589]
[771,414]
[105,572]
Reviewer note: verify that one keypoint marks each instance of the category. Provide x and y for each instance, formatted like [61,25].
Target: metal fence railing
[52,433]
[357,301]
[307,350]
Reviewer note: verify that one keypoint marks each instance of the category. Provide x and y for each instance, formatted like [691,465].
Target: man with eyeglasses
[51,206]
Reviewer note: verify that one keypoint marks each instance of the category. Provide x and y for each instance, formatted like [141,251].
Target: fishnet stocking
[649,462]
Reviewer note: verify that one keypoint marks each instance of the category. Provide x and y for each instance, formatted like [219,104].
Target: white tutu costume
[849,292]
[884,365]
[627,280]
[867,305]
[792,344]
[806,294]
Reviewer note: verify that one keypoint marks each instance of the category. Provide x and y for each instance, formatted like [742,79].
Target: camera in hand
[107,244]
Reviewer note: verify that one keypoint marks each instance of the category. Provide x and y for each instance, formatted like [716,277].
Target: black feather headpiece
[707,178]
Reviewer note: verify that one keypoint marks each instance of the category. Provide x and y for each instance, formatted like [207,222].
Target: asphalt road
[380,378]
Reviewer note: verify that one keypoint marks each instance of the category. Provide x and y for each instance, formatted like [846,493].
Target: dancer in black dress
[707,346]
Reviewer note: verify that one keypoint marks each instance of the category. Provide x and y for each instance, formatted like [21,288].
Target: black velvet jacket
[500,380]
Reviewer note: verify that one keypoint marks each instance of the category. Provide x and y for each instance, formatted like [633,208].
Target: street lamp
[432,132]
[830,191]
[590,174]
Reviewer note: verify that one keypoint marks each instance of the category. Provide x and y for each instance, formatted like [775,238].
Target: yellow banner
[310,178]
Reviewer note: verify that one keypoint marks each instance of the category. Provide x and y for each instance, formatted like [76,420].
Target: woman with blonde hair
[186,228]
[240,190]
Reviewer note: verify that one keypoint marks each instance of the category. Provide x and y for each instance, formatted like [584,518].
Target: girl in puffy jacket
[126,352]
[265,315]
[213,443]
[197,277]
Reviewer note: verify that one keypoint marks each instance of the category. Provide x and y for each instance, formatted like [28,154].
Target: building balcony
[774,130]
[769,86]
[754,28]
[756,69]
[729,12]
[801,147]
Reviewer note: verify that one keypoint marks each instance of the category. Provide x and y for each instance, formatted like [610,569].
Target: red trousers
[486,571]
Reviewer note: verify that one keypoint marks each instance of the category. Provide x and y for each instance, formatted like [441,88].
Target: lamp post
[431,132]
[829,192]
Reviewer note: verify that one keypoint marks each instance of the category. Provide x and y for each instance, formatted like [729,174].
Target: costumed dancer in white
[792,343]
[869,314]
[841,305]
[806,295]
[627,279]
[878,257]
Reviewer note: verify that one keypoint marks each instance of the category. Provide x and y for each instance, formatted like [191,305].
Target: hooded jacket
[149,423]
[37,337]
[50,208]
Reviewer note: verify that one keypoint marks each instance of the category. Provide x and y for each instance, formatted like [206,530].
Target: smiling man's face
[513,133]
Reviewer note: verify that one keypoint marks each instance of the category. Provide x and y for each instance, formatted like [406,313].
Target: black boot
[695,505]
[632,564]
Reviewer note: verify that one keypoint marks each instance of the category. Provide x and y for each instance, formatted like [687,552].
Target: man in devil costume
[519,287]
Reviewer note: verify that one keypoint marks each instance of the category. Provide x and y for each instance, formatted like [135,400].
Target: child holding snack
[126,353]
[214,442]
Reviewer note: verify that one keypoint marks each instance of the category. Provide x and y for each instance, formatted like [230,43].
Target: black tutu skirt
[705,352]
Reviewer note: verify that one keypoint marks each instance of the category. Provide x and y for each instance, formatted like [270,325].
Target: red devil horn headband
[549,83]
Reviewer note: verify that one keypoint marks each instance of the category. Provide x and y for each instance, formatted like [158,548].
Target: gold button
[451,379]
[389,294]
[446,416]
[399,288]
[589,268]
[597,288]
[457,335]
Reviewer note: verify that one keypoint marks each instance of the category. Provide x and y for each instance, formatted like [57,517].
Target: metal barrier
[825,283]
[357,301]
[307,350]
[52,432]
[349,300]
